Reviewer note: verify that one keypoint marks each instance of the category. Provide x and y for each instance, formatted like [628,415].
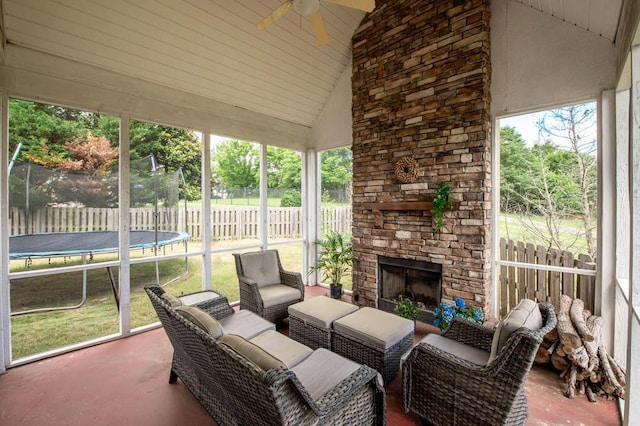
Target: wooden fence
[518,283]
[228,223]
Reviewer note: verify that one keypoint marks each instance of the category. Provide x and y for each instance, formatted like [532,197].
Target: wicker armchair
[266,288]
[446,389]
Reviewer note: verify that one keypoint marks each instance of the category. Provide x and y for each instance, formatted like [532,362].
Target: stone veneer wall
[421,76]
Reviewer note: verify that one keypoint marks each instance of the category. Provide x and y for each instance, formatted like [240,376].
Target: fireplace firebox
[418,280]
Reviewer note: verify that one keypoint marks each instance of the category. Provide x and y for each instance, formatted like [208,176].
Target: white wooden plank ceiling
[596,16]
[208,47]
[212,47]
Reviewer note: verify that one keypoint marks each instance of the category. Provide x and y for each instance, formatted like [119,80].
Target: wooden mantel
[398,206]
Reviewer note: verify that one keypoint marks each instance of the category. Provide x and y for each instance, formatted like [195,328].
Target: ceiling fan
[311,9]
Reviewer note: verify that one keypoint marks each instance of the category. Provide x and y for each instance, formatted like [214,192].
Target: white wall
[334,126]
[539,61]
[48,78]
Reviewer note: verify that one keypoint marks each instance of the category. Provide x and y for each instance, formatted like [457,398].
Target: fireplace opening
[418,280]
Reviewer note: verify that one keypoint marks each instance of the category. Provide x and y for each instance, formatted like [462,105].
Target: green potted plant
[406,308]
[336,257]
[442,201]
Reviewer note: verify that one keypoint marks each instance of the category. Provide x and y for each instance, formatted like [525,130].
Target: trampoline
[62,244]
[66,244]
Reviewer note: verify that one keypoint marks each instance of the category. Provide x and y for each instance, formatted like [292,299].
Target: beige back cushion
[262,267]
[525,314]
[172,300]
[252,352]
[201,319]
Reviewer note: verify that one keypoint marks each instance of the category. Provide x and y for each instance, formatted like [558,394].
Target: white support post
[495,219]
[124,256]
[5,306]
[206,210]
[632,397]
[263,231]
[605,279]
[312,209]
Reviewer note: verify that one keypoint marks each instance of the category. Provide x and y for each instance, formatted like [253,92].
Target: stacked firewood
[575,348]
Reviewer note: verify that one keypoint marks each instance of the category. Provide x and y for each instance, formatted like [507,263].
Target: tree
[575,127]
[237,164]
[518,166]
[284,168]
[336,170]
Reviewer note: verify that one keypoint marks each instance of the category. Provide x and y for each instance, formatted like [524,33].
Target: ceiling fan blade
[318,28]
[366,5]
[273,16]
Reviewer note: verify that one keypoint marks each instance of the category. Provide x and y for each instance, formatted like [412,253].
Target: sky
[525,125]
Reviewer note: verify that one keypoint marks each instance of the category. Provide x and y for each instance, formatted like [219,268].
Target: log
[594,325]
[590,395]
[542,356]
[571,384]
[566,332]
[559,362]
[610,382]
[551,336]
[579,357]
[617,370]
[575,312]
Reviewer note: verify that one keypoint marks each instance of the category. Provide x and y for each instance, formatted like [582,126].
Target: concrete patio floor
[125,382]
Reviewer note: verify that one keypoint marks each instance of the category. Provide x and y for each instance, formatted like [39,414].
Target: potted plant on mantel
[336,257]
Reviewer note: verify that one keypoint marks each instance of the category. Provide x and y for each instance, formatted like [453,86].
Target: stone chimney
[421,77]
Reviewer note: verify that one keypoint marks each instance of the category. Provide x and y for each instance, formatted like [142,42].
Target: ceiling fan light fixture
[306,7]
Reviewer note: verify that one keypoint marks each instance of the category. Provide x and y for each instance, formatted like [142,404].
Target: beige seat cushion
[525,314]
[201,319]
[287,350]
[469,353]
[252,352]
[321,311]
[322,371]
[245,324]
[262,267]
[380,329]
[278,294]
[172,300]
[199,297]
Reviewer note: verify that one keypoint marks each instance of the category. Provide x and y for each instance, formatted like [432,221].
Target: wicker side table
[310,322]
[375,338]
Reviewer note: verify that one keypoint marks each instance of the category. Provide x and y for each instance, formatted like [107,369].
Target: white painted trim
[5,305]
[606,214]
[304,189]
[124,256]
[632,397]
[312,206]
[263,231]
[551,268]
[206,210]
[495,218]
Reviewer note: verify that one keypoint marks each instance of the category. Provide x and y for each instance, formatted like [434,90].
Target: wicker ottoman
[373,337]
[310,321]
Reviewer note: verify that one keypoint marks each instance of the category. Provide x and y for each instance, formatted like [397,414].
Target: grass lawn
[98,316]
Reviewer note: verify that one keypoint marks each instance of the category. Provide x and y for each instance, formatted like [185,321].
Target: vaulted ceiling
[212,48]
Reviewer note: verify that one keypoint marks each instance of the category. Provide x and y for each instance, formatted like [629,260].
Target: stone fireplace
[421,77]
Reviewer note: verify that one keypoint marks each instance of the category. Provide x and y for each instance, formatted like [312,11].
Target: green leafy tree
[237,164]
[284,168]
[336,170]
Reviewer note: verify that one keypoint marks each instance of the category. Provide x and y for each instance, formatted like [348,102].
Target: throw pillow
[525,314]
[202,320]
[172,300]
[252,352]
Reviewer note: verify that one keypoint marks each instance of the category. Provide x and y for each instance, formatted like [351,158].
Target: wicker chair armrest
[218,307]
[337,396]
[249,287]
[445,360]
[292,279]
[470,333]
